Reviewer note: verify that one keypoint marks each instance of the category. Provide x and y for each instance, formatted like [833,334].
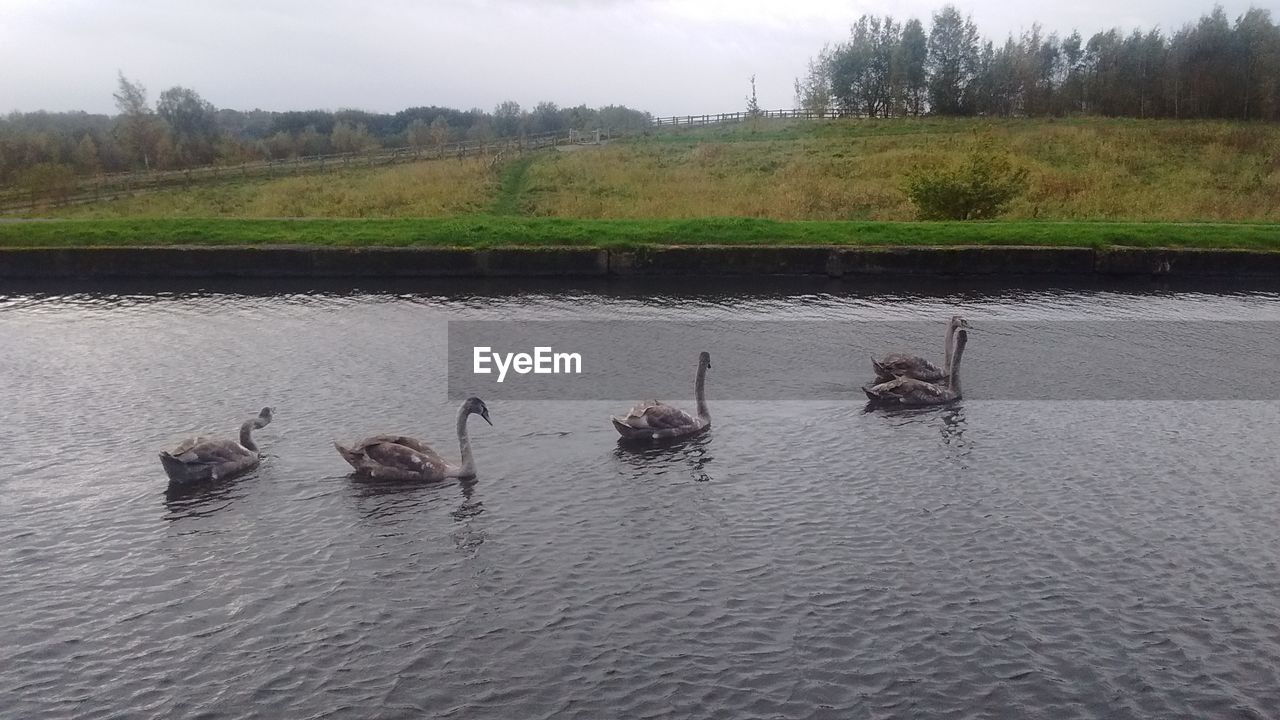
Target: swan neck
[468,467]
[950,347]
[246,436]
[700,391]
[953,378]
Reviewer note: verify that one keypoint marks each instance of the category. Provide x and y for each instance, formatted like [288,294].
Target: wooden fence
[679,121]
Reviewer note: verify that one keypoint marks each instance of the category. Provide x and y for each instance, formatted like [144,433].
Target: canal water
[1013,555]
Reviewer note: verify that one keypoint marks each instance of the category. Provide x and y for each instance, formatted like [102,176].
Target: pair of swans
[381,457]
[911,381]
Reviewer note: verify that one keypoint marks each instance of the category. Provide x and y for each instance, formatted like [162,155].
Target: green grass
[495,231]
[515,181]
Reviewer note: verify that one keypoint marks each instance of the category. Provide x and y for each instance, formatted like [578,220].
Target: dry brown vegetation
[855,170]
[441,188]
[1079,169]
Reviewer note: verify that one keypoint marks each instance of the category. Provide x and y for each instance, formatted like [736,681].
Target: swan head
[264,417]
[959,322]
[704,360]
[474,405]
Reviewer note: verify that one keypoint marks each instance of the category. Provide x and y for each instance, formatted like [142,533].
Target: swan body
[896,365]
[201,458]
[903,365]
[653,420]
[399,457]
[907,391]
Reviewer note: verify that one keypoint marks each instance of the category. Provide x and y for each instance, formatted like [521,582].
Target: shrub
[981,188]
[50,182]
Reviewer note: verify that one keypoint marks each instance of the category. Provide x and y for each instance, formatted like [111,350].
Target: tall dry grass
[854,169]
[441,188]
[1080,169]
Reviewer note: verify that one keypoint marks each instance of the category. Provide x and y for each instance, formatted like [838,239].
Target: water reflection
[391,500]
[201,499]
[950,421]
[658,457]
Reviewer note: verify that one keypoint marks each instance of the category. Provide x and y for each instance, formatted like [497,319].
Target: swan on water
[900,364]
[396,457]
[909,391]
[653,420]
[202,458]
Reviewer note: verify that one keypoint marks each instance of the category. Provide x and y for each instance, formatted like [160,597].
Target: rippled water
[804,559]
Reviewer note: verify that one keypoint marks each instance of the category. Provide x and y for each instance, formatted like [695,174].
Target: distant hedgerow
[980,188]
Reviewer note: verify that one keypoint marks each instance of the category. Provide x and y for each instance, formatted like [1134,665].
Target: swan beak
[485,415]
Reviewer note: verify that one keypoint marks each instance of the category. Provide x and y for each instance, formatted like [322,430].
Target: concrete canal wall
[828,261]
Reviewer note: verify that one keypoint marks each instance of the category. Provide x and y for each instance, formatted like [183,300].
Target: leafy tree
[953,58]
[346,138]
[753,107]
[481,129]
[912,59]
[138,127]
[1258,47]
[439,130]
[419,134]
[193,122]
[546,118]
[86,155]
[508,119]
[813,93]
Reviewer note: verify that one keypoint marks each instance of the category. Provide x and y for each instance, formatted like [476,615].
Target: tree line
[1213,68]
[183,130]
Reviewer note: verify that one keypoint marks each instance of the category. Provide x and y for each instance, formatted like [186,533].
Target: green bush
[981,188]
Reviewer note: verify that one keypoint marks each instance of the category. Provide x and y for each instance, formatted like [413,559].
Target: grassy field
[491,231]
[1080,169]
[427,189]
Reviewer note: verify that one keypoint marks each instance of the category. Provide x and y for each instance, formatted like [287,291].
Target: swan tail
[179,471]
[623,428]
[351,456]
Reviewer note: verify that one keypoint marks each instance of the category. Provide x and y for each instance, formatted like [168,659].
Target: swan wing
[913,366]
[395,456]
[404,440]
[210,452]
[909,391]
[189,444]
[657,416]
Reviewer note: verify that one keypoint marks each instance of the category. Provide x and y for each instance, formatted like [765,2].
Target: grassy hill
[1080,169]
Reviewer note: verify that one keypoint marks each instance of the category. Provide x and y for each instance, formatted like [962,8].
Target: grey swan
[200,458]
[396,457]
[654,420]
[906,391]
[900,364]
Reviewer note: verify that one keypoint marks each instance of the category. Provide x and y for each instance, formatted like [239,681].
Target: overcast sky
[663,56]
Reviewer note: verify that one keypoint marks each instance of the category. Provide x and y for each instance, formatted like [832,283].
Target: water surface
[806,559]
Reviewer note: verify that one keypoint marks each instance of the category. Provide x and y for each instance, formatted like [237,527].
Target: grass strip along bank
[491,232]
